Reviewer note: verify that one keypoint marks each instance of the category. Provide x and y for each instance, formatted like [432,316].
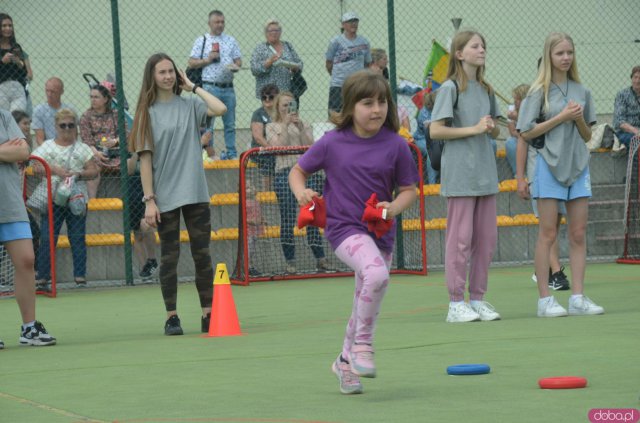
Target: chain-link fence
[68,38]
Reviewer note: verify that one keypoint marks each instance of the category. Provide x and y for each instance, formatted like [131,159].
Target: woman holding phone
[287,129]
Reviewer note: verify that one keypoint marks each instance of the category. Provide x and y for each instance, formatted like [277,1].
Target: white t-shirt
[57,155]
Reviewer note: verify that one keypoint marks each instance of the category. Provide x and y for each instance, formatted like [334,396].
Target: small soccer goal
[271,247]
[631,252]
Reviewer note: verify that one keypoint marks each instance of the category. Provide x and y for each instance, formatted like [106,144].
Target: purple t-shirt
[355,168]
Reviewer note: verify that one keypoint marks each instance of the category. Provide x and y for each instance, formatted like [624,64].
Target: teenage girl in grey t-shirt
[15,231]
[562,167]
[469,176]
[166,136]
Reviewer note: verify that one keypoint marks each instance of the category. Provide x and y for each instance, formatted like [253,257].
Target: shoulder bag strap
[204,41]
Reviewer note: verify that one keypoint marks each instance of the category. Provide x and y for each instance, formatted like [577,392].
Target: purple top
[355,168]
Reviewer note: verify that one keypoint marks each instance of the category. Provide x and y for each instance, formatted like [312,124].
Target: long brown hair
[456,71]
[365,84]
[141,131]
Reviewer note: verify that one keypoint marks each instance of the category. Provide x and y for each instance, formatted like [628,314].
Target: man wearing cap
[347,53]
[219,58]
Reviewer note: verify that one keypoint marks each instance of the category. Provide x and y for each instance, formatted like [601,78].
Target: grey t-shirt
[348,56]
[12,208]
[564,149]
[178,174]
[468,164]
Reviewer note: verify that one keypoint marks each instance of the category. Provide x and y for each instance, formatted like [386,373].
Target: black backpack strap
[455,103]
[204,41]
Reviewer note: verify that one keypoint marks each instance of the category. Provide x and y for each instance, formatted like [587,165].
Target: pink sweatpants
[371,267]
[471,239]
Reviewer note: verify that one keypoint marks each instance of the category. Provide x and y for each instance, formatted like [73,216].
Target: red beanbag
[313,213]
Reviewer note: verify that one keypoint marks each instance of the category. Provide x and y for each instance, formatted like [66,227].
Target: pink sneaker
[361,357]
[349,383]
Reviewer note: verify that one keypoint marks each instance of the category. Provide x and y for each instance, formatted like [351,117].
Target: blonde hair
[377,54]
[455,71]
[545,71]
[520,91]
[365,84]
[65,114]
[272,21]
[277,117]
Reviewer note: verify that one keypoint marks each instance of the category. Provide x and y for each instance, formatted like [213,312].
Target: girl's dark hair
[12,40]
[105,92]
[365,84]
[270,89]
[18,115]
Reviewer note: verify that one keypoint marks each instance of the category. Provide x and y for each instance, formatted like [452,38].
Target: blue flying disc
[468,369]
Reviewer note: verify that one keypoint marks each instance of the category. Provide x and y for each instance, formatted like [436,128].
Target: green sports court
[113,363]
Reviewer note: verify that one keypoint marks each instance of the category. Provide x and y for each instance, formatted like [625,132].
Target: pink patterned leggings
[371,267]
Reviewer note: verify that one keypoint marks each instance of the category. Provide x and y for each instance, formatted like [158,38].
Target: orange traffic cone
[224,318]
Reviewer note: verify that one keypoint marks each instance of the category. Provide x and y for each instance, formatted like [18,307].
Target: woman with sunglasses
[261,117]
[66,156]
[273,62]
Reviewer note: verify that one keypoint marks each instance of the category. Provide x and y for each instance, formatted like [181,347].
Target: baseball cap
[350,16]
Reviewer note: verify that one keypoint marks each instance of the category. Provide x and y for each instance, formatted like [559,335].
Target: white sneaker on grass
[485,310]
[583,306]
[461,312]
[549,307]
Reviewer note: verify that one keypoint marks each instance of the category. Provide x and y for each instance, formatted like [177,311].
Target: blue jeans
[510,147]
[624,137]
[76,230]
[288,216]
[228,97]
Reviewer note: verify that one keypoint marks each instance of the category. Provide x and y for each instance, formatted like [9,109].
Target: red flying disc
[562,382]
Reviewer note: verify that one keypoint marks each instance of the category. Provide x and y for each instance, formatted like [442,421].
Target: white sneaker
[534,278]
[549,307]
[461,312]
[485,310]
[582,306]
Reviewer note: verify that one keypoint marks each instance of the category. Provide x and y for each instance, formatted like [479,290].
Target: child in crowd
[468,175]
[365,150]
[255,224]
[562,167]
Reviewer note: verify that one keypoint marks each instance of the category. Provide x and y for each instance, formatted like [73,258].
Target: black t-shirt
[11,71]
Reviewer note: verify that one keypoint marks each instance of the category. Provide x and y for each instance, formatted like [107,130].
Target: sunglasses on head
[268,97]
[67,125]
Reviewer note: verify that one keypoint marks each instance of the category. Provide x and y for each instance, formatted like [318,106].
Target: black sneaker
[144,273]
[36,335]
[558,281]
[205,322]
[1,344]
[153,266]
[172,326]
[149,269]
